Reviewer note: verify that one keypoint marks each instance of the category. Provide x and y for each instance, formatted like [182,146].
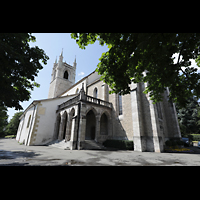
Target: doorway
[58,120]
[90,126]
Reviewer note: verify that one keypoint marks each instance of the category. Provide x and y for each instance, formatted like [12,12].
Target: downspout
[31,123]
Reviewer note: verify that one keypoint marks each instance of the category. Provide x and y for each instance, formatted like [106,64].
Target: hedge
[194,137]
[174,142]
[119,144]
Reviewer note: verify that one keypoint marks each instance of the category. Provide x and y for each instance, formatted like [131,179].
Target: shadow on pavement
[15,154]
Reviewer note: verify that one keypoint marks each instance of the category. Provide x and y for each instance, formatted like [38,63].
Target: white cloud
[81,74]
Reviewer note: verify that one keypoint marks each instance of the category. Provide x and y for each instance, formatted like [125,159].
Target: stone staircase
[59,144]
[91,144]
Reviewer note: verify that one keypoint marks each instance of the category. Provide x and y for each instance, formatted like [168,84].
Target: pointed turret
[74,64]
[56,60]
[60,61]
[61,56]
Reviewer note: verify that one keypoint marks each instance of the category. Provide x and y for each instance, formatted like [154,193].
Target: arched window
[120,104]
[95,93]
[77,91]
[29,119]
[66,75]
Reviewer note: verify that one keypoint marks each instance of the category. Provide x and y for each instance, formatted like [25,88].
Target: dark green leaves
[19,64]
[132,54]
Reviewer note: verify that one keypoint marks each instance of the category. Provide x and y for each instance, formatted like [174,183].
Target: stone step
[91,144]
[60,144]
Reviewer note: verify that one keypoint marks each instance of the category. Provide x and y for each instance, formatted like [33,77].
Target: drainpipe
[31,123]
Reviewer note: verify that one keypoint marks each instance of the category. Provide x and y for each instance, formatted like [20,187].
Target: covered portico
[83,118]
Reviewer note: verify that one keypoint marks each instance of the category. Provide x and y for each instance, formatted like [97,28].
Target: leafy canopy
[3,120]
[11,128]
[189,117]
[132,54]
[19,64]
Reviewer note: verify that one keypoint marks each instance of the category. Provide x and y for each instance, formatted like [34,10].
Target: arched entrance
[104,125]
[90,126]
[58,119]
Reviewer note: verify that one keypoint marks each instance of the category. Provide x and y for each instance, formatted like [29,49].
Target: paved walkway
[12,154]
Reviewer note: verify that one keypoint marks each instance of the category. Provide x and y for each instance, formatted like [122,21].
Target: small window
[120,104]
[77,91]
[66,75]
[29,119]
[95,93]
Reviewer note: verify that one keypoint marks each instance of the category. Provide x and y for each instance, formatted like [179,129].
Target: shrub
[119,144]
[168,143]
[179,142]
[174,142]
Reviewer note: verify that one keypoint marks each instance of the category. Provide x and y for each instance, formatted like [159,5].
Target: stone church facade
[83,111]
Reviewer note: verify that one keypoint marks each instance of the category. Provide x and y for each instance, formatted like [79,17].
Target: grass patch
[10,136]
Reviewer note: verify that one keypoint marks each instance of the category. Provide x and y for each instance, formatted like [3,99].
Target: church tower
[62,77]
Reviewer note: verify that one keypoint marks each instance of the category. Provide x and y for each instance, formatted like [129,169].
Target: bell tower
[62,77]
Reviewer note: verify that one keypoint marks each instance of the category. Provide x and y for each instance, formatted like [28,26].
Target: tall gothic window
[95,93]
[120,104]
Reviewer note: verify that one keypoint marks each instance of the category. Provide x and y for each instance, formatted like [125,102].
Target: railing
[69,102]
[85,98]
[98,101]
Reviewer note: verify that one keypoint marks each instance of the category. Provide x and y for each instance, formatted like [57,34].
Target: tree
[11,128]
[3,120]
[132,54]
[189,117]
[19,64]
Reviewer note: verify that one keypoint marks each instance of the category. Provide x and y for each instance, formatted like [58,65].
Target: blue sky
[52,44]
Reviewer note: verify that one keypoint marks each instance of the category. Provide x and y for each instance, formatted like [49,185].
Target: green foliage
[19,64]
[173,142]
[119,144]
[11,128]
[194,137]
[189,117]
[132,54]
[3,120]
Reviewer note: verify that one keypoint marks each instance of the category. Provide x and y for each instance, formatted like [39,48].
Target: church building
[76,114]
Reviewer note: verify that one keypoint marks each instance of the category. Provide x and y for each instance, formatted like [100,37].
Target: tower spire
[56,60]
[74,64]
[61,53]
[61,56]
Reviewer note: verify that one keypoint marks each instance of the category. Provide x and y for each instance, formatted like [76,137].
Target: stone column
[68,130]
[158,144]
[97,134]
[139,143]
[73,139]
[82,126]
